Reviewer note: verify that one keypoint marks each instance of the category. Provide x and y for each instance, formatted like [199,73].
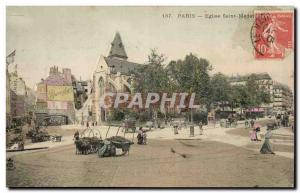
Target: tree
[240,97]
[253,89]
[191,75]
[264,96]
[258,94]
[152,77]
[220,88]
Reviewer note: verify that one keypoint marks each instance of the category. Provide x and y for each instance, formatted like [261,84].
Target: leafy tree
[152,77]
[116,115]
[240,97]
[191,75]
[258,95]
[264,97]
[220,88]
[253,89]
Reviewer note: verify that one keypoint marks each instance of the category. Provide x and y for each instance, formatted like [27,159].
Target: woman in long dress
[253,135]
[266,147]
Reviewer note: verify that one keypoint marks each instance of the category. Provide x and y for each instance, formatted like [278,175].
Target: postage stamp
[272,34]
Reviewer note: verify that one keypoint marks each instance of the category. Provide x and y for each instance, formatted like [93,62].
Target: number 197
[166,15]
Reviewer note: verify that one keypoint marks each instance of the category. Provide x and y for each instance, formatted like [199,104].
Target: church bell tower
[117,49]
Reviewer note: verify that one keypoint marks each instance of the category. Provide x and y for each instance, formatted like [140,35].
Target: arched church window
[101,85]
[111,88]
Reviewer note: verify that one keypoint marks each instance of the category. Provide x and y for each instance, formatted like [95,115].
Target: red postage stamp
[272,34]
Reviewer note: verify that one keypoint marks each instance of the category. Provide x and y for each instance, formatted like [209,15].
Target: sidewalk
[220,134]
[210,133]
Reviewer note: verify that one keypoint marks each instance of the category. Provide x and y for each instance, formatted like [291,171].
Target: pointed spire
[117,49]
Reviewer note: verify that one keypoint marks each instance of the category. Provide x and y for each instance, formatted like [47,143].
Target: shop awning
[255,110]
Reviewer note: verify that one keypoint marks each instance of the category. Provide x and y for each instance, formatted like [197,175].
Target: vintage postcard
[152,96]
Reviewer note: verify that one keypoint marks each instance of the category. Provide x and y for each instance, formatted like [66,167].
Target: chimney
[52,70]
[67,74]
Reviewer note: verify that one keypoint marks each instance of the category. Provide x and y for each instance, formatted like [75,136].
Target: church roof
[122,66]
[117,48]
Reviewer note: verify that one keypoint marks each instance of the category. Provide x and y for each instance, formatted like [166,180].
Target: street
[198,162]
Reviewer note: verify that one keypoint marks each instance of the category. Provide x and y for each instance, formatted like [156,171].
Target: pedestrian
[229,120]
[278,120]
[253,135]
[266,147]
[87,124]
[277,124]
[291,120]
[76,135]
[201,128]
[175,129]
[252,123]
[142,136]
[246,124]
[286,120]
[257,130]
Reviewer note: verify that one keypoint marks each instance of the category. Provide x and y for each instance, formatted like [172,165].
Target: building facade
[281,95]
[112,74]
[55,95]
[8,101]
[264,81]
[283,98]
[20,101]
[17,95]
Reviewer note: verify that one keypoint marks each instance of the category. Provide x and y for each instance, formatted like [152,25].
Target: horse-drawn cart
[40,137]
[37,135]
[91,141]
[87,145]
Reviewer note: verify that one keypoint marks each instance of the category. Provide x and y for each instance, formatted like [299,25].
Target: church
[112,74]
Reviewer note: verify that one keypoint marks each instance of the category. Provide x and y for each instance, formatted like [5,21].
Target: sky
[75,37]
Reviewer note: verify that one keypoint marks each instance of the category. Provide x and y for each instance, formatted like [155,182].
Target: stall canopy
[255,110]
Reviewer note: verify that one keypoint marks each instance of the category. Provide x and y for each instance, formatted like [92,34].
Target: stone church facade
[113,74]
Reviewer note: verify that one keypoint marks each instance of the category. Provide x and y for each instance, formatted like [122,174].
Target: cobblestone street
[196,163]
